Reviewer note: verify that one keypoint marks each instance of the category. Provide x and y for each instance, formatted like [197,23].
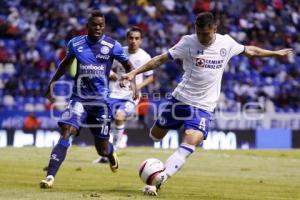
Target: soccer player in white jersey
[121,101]
[205,54]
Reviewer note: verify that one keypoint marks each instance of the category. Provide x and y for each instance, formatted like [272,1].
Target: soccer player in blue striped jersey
[88,106]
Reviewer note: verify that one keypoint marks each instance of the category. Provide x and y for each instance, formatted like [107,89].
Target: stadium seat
[39,104]
[29,104]
[9,68]
[8,100]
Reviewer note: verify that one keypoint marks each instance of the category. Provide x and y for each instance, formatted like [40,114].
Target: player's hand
[128,76]
[283,52]
[113,76]
[122,83]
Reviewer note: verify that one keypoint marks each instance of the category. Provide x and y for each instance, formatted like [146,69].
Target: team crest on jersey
[200,62]
[104,50]
[223,52]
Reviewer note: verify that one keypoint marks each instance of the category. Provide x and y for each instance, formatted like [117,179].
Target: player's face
[206,35]
[96,26]
[134,40]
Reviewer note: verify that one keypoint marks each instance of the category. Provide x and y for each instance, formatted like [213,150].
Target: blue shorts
[177,113]
[95,116]
[127,106]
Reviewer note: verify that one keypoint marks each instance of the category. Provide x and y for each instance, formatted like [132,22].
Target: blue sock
[57,156]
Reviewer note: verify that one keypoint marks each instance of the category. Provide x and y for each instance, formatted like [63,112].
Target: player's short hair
[205,19]
[134,29]
[95,13]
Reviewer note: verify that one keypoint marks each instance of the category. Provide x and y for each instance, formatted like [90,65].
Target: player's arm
[120,56]
[146,82]
[150,65]
[128,68]
[63,67]
[253,51]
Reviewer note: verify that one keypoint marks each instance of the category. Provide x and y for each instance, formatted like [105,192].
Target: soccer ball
[152,171]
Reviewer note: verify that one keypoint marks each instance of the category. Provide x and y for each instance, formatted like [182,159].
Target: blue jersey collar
[91,42]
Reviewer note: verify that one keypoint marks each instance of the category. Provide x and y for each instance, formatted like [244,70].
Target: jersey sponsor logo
[92,69]
[223,52]
[105,57]
[211,64]
[80,49]
[104,49]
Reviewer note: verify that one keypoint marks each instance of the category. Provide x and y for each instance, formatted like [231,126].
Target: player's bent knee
[67,131]
[156,133]
[154,137]
[120,115]
[193,137]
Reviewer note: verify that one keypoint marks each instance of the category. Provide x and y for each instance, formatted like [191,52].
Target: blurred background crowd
[34,35]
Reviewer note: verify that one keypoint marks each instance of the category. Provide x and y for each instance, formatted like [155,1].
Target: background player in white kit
[121,102]
[204,55]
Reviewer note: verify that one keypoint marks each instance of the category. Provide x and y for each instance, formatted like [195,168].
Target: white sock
[178,158]
[118,132]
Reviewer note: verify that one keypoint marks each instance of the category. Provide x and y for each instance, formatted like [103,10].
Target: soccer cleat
[101,160]
[150,190]
[47,183]
[114,163]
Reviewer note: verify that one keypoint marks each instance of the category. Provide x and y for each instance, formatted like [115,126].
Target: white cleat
[150,190]
[47,183]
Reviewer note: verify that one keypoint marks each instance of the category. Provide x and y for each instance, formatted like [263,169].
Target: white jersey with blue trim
[94,62]
[137,59]
[203,69]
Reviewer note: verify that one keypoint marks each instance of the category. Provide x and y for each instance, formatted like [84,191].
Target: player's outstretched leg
[178,158]
[191,139]
[172,165]
[57,156]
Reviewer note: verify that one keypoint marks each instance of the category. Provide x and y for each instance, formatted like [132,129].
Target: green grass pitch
[240,174]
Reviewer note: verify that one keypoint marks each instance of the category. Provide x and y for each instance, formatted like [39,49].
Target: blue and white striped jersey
[94,61]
